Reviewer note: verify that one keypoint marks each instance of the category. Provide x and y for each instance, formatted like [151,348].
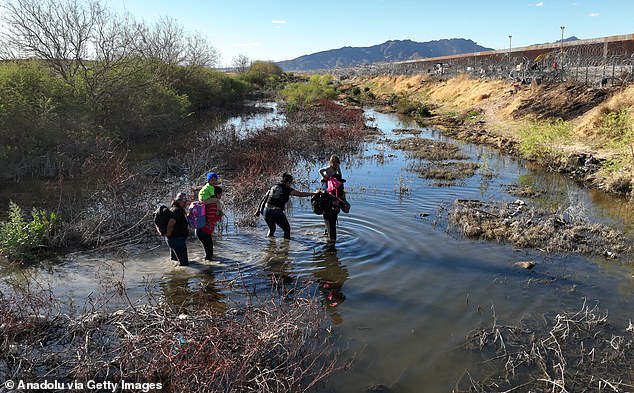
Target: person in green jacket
[206,194]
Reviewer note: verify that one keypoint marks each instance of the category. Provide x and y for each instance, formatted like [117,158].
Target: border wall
[607,61]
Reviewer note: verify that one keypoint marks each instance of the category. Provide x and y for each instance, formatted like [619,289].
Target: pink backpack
[196,214]
[333,185]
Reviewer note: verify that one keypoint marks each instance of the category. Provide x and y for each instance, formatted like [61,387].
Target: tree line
[75,76]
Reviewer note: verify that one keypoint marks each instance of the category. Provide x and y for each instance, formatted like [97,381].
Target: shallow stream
[403,290]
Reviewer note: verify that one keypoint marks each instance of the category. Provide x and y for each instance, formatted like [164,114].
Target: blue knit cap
[211,175]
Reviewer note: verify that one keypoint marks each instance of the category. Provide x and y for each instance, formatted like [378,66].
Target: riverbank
[586,132]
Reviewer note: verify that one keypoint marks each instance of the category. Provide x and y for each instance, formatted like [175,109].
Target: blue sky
[285,29]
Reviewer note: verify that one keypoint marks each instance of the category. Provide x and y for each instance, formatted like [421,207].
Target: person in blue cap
[207,194]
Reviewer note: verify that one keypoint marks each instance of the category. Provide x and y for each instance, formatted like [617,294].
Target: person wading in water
[276,201]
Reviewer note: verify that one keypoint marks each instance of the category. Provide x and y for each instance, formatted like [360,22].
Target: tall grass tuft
[541,140]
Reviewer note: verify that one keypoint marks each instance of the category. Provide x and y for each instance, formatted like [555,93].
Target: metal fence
[588,64]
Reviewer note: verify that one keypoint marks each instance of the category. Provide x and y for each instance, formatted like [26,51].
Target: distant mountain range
[573,38]
[388,51]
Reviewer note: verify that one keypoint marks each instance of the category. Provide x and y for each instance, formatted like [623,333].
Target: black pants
[330,219]
[275,217]
[208,244]
[178,249]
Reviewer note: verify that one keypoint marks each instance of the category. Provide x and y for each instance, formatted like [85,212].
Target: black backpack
[326,204]
[262,204]
[315,203]
[161,217]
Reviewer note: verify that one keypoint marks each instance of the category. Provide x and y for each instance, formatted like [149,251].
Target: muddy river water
[407,289]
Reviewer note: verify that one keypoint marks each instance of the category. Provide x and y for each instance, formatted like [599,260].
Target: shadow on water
[401,289]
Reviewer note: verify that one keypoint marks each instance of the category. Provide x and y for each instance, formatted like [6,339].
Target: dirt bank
[596,149]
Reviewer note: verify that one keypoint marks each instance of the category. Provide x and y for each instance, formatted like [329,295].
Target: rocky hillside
[398,50]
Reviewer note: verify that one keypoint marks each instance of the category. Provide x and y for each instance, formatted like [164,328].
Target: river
[407,290]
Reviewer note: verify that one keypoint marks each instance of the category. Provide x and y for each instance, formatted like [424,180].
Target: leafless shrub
[579,352]
[310,134]
[274,345]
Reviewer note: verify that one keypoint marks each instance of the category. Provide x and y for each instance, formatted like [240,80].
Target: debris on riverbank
[527,226]
[448,172]
[279,345]
[574,352]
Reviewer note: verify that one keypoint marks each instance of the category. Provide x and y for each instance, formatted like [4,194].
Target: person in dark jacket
[177,230]
[276,201]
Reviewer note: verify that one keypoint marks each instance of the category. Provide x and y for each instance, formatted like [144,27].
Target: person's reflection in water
[331,276]
[185,290]
[276,261]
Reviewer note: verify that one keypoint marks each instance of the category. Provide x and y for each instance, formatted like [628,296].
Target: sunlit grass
[542,140]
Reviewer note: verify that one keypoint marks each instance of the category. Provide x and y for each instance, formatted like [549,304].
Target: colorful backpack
[333,186]
[196,214]
[161,217]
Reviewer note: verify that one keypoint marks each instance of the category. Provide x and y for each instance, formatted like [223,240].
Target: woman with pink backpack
[334,199]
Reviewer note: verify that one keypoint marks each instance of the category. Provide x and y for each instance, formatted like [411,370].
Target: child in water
[332,181]
[333,170]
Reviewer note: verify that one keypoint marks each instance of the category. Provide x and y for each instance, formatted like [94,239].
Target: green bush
[33,106]
[617,126]
[50,126]
[317,88]
[208,88]
[405,106]
[24,239]
[423,111]
[542,140]
[27,104]
[265,74]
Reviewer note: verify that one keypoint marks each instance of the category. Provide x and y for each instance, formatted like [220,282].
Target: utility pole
[510,37]
[562,38]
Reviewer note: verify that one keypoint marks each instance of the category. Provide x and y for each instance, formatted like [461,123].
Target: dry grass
[530,227]
[579,352]
[601,119]
[446,171]
[590,124]
[274,345]
[428,149]
[464,92]
[384,85]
